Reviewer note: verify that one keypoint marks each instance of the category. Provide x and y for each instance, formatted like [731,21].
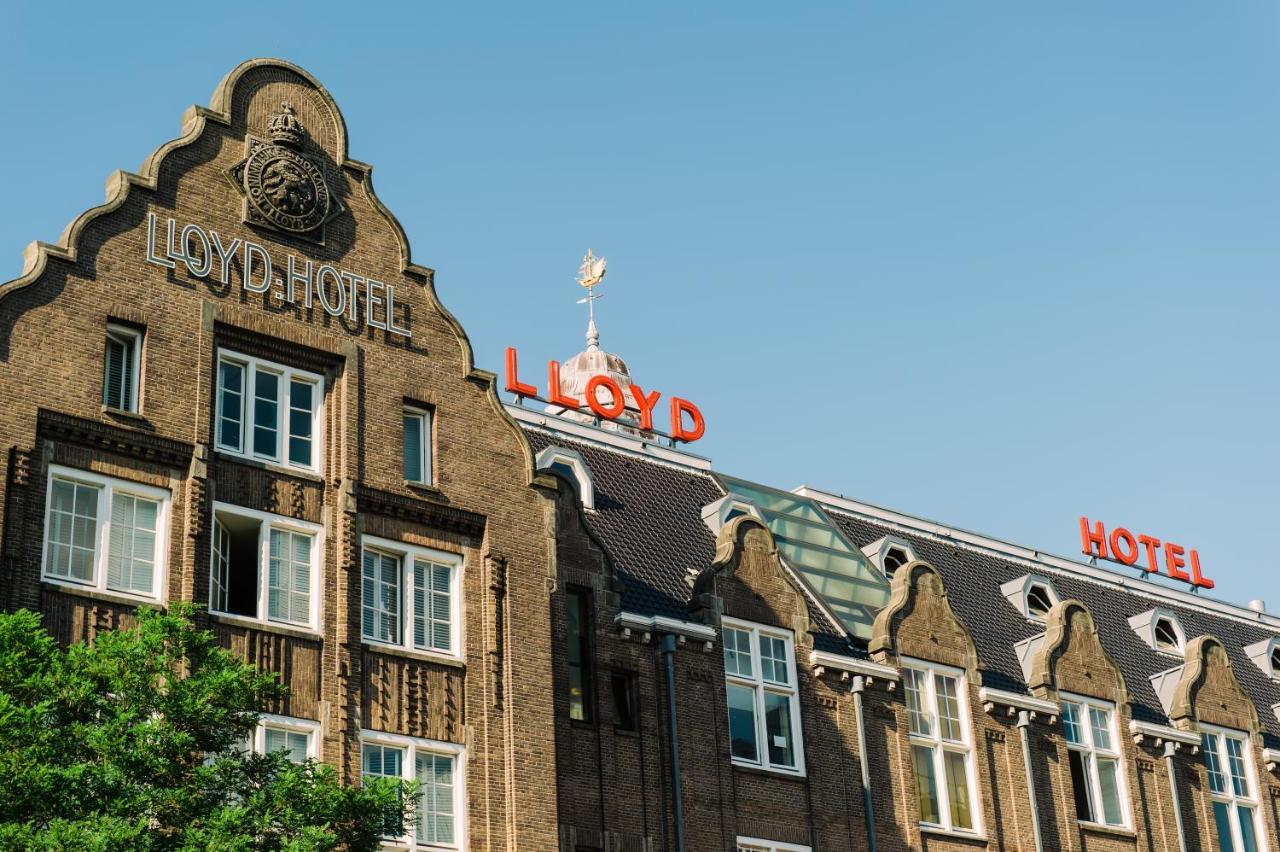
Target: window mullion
[102,541]
[406,601]
[944,789]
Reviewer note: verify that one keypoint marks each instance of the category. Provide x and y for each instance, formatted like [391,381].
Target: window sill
[424,489]
[756,769]
[939,831]
[413,654]
[293,630]
[125,414]
[97,594]
[274,467]
[1102,828]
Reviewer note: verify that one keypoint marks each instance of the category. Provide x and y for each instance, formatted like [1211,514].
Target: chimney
[1258,605]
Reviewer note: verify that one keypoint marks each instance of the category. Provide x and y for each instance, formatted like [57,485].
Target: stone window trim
[123,349]
[570,462]
[756,844]
[407,554]
[246,419]
[761,687]
[267,522]
[105,489]
[288,724]
[939,746]
[1092,752]
[1228,770]
[410,748]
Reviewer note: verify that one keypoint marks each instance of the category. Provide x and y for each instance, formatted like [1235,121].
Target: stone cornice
[68,428]
[426,512]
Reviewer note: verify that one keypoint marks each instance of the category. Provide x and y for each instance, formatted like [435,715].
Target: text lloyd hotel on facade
[636,652]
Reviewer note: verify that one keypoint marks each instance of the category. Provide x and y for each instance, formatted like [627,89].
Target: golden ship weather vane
[590,274]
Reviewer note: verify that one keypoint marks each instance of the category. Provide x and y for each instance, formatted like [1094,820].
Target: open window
[573,467]
[1031,595]
[1160,629]
[889,554]
[122,367]
[265,567]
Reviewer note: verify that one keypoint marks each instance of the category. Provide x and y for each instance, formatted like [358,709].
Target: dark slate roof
[648,514]
[973,579]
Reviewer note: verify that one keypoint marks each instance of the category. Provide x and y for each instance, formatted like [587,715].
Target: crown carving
[285,128]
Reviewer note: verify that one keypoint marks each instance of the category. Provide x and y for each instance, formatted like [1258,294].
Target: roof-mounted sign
[606,399]
[1125,548]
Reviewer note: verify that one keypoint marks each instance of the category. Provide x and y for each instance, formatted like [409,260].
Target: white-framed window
[410,597]
[755,844]
[122,367]
[1097,774]
[105,533]
[417,445]
[300,738]
[440,768]
[268,411]
[1160,629]
[1233,788]
[265,567]
[760,685]
[941,745]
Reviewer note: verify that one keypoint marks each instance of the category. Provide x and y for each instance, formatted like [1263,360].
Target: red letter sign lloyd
[687,423]
[1124,549]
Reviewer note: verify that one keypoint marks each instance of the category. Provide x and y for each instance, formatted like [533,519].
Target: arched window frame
[581,473]
[880,548]
[1260,653]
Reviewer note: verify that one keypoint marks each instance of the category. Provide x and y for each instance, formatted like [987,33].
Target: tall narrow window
[937,716]
[626,701]
[1233,789]
[122,368]
[760,686]
[1096,777]
[104,533]
[436,768]
[409,597]
[417,445]
[264,566]
[579,623]
[268,411]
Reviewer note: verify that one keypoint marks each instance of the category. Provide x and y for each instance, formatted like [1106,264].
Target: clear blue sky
[999,264]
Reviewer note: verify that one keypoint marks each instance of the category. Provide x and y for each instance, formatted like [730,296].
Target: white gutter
[1162,734]
[992,698]
[1271,757]
[620,440]
[662,624]
[853,665]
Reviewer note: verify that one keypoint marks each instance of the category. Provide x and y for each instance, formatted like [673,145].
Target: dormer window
[1166,636]
[1160,629]
[716,515]
[573,467]
[1031,595]
[894,558]
[889,554]
[1038,601]
[1266,656]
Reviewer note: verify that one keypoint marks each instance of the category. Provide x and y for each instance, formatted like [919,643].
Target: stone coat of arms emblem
[283,189]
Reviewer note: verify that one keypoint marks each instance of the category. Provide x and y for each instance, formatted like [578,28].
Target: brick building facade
[230,385]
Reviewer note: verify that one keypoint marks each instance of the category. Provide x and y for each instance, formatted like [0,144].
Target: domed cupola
[577,372]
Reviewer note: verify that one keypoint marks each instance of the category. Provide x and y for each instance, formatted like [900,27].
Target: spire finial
[590,274]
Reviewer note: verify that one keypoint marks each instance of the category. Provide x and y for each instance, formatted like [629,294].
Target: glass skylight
[852,588]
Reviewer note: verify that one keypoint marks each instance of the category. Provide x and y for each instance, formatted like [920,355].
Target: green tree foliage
[136,742]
